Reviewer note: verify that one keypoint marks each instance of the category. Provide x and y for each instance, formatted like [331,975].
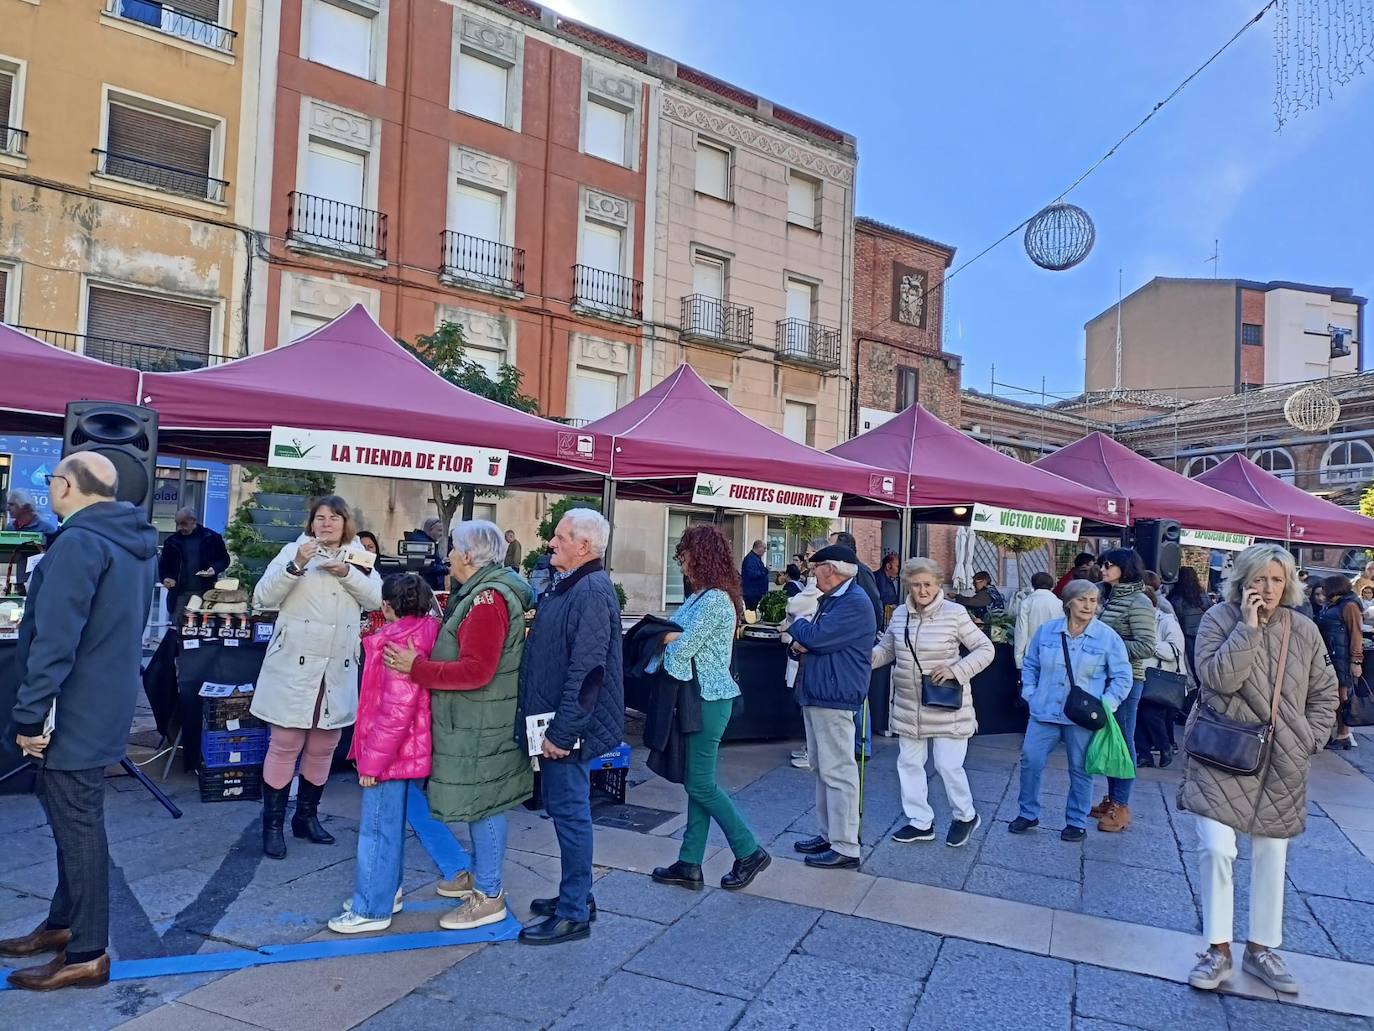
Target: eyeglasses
[55,476]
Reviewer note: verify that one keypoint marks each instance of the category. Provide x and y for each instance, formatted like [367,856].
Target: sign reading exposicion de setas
[371,454]
[764,496]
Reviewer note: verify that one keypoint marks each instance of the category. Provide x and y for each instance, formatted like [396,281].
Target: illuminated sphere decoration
[1312,409]
[1059,236]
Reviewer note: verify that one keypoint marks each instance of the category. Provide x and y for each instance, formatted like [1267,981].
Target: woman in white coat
[308,688]
[922,640]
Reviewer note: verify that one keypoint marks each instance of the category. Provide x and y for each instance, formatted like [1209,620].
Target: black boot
[305,822]
[683,875]
[273,819]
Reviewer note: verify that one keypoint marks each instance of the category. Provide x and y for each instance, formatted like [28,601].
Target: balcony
[335,226]
[129,353]
[14,142]
[605,293]
[806,343]
[173,21]
[182,181]
[483,262]
[718,323]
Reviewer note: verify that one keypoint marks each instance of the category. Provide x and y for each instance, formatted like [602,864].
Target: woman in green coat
[479,770]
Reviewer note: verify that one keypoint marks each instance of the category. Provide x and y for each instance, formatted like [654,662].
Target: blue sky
[970,116]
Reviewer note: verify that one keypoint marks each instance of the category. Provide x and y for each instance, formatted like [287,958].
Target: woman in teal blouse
[708,619]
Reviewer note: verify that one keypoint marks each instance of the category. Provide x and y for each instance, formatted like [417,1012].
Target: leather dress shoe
[832,860]
[680,874]
[555,931]
[40,939]
[745,870]
[60,974]
[812,846]
[546,907]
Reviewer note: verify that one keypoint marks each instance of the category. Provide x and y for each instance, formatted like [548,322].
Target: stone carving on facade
[622,92]
[909,294]
[602,354]
[493,40]
[477,167]
[747,135]
[340,125]
[328,298]
[481,329]
[606,207]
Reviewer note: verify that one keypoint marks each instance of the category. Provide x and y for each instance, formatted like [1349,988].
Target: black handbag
[1080,707]
[1167,688]
[1358,710]
[1231,745]
[934,695]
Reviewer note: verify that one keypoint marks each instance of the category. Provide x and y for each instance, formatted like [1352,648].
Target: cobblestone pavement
[1009,932]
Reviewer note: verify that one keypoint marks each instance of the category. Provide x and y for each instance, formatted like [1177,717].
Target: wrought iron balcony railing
[14,142]
[607,292]
[130,353]
[336,226]
[712,319]
[808,343]
[483,261]
[172,20]
[183,181]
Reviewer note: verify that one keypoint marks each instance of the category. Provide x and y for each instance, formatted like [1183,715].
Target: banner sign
[990,519]
[1217,539]
[762,496]
[371,454]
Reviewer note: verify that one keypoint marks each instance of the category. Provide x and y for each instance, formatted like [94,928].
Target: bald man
[79,651]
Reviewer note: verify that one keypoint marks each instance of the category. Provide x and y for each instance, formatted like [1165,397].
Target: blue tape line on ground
[439,842]
[220,962]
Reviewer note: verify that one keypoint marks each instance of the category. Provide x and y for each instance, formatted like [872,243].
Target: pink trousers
[314,747]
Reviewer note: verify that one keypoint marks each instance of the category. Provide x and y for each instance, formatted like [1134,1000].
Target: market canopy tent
[946,468]
[349,376]
[37,380]
[1153,492]
[1312,520]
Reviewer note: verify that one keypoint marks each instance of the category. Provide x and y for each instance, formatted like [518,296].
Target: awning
[37,380]
[1312,520]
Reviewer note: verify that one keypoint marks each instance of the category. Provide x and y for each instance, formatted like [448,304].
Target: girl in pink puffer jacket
[392,746]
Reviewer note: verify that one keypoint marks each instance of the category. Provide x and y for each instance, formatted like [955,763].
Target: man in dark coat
[573,669]
[80,645]
[192,560]
[753,576]
[435,571]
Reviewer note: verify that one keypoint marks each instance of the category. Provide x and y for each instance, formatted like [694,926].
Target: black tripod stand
[130,769]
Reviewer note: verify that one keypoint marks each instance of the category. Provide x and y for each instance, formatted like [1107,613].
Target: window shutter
[135,133]
[146,321]
[713,171]
[206,10]
[4,290]
[6,92]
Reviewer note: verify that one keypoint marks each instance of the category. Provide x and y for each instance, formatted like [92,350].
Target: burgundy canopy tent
[1153,492]
[37,380]
[1311,520]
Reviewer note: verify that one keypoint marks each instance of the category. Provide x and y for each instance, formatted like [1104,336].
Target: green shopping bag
[1107,753]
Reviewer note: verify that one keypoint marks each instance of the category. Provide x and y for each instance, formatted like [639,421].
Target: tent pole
[469,496]
[608,510]
[904,535]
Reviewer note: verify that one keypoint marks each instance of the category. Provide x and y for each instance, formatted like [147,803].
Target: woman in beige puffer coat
[923,637]
[1239,652]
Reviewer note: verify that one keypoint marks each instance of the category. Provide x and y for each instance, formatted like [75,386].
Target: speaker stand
[132,771]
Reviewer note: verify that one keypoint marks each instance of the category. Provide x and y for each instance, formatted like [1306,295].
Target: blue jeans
[488,852]
[381,848]
[1120,790]
[567,789]
[1035,751]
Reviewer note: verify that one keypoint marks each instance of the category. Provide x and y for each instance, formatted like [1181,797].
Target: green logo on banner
[292,450]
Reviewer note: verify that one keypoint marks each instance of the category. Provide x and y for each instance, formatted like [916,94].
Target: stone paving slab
[888,948]
[1134,1001]
[975,985]
[812,991]
[631,1002]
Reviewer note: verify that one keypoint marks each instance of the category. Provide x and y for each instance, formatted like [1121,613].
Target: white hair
[914,567]
[845,570]
[1250,563]
[20,498]
[478,539]
[186,513]
[1076,589]
[587,524]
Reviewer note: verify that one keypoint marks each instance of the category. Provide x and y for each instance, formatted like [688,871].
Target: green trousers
[705,799]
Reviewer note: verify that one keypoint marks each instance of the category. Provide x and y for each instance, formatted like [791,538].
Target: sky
[970,116]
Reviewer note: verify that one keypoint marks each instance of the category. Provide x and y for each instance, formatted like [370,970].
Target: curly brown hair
[407,594]
[713,564]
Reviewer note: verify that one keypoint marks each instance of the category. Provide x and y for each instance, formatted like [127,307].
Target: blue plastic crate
[615,759]
[225,749]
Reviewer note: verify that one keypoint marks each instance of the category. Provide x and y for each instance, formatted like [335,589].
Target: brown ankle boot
[1116,819]
[40,939]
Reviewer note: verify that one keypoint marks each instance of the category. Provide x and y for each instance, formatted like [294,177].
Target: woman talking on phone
[308,687]
[1260,667]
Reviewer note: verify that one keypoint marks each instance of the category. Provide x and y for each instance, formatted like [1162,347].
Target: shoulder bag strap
[906,635]
[1068,662]
[1283,662]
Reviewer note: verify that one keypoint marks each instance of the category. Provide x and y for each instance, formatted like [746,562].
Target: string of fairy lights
[1319,45]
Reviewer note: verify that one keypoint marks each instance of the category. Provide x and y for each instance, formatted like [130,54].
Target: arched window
[1276,460]
[1201,464]
[1348,461]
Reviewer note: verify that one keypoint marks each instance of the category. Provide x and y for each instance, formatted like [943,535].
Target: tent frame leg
[608,510]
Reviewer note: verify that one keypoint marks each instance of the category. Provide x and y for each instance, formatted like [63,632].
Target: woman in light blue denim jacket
[1101,668]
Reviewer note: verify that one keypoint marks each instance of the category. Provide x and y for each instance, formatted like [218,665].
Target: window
[479,213]
[678,522]
[724,392]
[801,300]
[5,314]
[799,422]
[194,20]
[341,38]
[334,173]
[1275,460]
[1251,335]
[1348,461]
[602,246]
[301,324]
[482,87]
[158,149]
[595,394]
[713,170]
[802,196]
[11,139]
[146,331]
[490,361]
[606,132]
[1200,464]
[908,381]
[706,312]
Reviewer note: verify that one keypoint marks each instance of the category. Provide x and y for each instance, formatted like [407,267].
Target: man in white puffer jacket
[922,641]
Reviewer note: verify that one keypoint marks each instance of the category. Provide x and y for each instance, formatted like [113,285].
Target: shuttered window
[155,149]
[6,96]
[206,9]
[146,331]
[4,291]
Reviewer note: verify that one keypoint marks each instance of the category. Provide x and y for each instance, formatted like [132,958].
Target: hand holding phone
[1250,605]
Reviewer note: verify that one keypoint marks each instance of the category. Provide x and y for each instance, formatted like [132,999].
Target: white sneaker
[802,762]
[349,922]
[396,906]
[799,753]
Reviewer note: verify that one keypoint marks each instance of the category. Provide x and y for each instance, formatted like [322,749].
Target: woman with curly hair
[702,650]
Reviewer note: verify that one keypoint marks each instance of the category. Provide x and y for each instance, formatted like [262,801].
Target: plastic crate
[229,713]
[226,749]
[615,759]
[610,782]
[241,784]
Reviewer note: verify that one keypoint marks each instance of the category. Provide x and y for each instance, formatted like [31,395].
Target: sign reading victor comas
[1217,539]
[763,496]
[371,454]
[991,519]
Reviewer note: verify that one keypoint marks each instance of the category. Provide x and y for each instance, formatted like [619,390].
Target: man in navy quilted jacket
[572,668]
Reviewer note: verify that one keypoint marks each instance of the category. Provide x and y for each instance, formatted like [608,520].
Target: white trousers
[949,755]
[1268,858]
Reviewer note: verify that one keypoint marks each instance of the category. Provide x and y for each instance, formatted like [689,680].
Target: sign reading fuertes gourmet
[763,496]
[371,454]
